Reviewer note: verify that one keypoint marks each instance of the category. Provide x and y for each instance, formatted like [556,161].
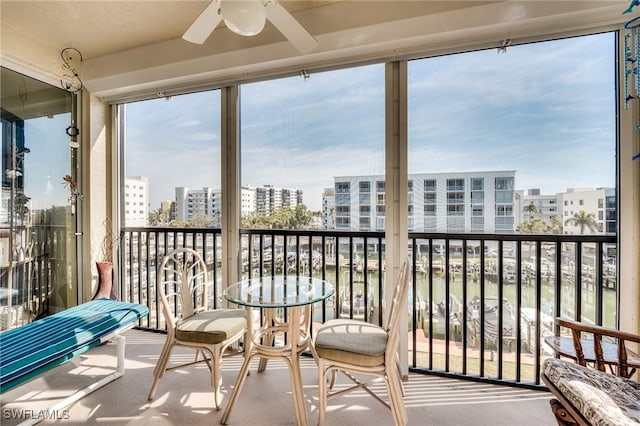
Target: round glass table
[284,327]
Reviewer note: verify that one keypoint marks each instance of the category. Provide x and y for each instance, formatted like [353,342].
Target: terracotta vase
[105,281]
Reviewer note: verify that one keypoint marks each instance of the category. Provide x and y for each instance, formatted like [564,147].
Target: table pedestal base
[295,331]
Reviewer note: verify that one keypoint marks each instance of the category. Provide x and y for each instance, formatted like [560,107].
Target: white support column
[230,161]
[628,200]
[396,186]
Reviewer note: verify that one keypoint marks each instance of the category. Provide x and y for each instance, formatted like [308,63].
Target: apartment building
[600,202]
[190,201]
[136,201]
[480,202]
[545,206]
[262,200]
[269,199]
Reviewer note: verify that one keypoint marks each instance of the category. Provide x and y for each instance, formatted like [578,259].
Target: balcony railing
[457,325]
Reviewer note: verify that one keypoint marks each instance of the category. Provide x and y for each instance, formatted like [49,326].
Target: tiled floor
[184,396]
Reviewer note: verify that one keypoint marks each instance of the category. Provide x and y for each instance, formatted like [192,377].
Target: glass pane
[529,142]
[322,136]
[37,217]
[172,188]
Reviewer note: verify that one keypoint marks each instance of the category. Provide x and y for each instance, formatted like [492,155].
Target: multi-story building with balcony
[261,200]
[136,201]
[268,199]
[545,206]
[190,202]
[438,202]
[600,202]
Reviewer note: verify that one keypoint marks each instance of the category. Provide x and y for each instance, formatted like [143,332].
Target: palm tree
[584,220]
[556,225]
[531,209]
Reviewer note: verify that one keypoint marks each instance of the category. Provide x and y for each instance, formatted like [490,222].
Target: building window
[477,197]
[380,186]
[455,184]
[504,183]
[455,210]
[430,210]
[477,184]
[504,210]
[343,210]
[365,223]
[455,197]
[365,186]
[343,199]
[343,222]
[343,187]
[430,185]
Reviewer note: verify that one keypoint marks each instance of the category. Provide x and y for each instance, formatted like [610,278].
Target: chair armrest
[598,330]
[623,354]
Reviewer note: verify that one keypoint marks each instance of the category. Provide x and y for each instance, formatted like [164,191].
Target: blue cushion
[38,346]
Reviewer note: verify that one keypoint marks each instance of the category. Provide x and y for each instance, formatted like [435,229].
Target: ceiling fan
[247,17]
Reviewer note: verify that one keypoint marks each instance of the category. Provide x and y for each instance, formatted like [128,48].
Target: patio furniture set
[583,395]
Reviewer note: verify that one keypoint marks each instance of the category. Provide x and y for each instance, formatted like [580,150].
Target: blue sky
[47,163]
[546,110]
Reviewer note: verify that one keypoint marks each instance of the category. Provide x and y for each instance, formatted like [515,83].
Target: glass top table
[279,291]
[284,331]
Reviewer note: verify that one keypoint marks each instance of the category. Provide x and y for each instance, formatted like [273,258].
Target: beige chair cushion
[351,341]
[212,327]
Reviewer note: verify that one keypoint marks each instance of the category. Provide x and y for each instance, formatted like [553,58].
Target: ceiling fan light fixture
[244,17]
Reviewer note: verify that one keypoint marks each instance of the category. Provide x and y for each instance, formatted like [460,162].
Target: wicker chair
[353,346]
[182,285]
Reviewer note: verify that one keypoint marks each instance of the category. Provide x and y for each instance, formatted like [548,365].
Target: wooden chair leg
[160,368]
[563,417]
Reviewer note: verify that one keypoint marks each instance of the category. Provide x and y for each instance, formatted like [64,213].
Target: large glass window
[41,197]
[172,178]
[518,125]
[172,161]
[313,133]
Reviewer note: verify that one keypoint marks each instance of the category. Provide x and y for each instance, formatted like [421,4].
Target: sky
[546,110]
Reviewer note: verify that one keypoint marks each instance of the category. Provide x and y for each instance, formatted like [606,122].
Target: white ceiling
[133,48]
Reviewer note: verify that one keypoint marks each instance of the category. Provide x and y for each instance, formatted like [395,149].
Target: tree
[175,223]
[201,220]
[556,225]
[531,209]
[284,218]
[584,220]
[535,226]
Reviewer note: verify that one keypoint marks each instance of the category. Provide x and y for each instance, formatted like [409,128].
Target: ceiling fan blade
[204,24]
[290,28]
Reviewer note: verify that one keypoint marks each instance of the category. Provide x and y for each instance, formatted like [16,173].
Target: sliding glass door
[38,263]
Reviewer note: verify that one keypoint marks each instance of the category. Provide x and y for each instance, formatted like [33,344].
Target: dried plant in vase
[106,288]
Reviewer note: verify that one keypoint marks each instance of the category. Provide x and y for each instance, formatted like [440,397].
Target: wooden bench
[30,350]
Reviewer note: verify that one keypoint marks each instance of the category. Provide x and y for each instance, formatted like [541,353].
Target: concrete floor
[184,396]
